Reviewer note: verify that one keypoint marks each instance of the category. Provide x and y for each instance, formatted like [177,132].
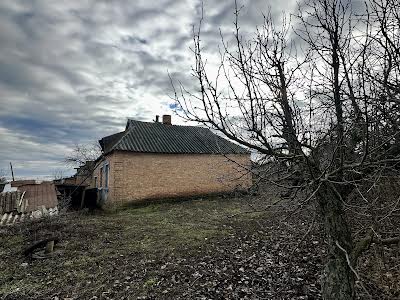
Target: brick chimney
[166,119]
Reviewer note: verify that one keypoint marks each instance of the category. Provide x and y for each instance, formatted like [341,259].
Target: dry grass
[177,250]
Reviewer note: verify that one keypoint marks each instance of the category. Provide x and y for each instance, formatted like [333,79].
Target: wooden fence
[13,201]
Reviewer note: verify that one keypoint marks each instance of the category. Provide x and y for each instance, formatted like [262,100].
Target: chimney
[157,119]
[166,119]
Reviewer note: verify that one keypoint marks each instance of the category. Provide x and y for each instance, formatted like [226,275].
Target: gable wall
[138,176]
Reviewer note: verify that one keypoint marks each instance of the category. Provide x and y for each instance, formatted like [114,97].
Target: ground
[211,248]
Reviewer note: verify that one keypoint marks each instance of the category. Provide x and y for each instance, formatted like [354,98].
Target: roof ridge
[160,123]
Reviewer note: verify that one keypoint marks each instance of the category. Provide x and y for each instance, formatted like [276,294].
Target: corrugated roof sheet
[161,138]
[108,141]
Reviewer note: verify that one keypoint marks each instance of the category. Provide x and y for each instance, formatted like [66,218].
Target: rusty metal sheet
[34,194]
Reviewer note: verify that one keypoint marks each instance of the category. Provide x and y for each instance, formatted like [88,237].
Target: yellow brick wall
[138,176]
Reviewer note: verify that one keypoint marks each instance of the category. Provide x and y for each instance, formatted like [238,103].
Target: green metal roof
[155,137]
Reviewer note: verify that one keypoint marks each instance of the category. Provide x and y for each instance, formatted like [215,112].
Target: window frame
[101,177]
[106,175]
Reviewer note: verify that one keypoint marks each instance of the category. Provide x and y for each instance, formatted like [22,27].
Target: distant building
[73,187]
[160,160]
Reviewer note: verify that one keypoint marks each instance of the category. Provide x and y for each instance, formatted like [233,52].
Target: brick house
[160,160]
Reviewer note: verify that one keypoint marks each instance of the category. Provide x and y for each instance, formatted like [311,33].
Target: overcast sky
[74,71]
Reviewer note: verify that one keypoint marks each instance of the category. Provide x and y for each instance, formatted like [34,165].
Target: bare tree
[328,110]
[86,157]
[83,153]
[58,174]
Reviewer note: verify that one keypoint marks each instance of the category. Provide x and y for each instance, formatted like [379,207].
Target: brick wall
[137,176]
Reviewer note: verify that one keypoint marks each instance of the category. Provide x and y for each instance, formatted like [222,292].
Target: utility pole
[12,171]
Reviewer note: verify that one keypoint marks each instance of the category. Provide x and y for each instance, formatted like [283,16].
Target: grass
[94,242]
[190,249]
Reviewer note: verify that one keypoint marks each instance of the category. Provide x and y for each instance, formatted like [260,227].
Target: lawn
[211,248]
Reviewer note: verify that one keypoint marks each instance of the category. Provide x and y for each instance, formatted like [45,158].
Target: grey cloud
[73,71]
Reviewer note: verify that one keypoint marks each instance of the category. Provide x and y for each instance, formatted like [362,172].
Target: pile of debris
[27,199]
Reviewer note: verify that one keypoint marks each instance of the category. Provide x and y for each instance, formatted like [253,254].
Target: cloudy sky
[72,72]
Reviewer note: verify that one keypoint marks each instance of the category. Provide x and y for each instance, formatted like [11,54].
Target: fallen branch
[389,241]
[255,210]
[194,281]
[39,244]
[365,243]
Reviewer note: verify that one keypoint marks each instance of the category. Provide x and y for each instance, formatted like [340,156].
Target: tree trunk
[339,279]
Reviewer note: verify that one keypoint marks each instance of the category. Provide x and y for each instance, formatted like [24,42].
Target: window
[101,177]
[95,181]
[106,175]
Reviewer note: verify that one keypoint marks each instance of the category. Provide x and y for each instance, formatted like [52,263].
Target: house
[160,160]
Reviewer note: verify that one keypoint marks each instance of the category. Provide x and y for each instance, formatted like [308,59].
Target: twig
[256,211]
[193,282]
[391,211]
[351,267]
[307,233]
